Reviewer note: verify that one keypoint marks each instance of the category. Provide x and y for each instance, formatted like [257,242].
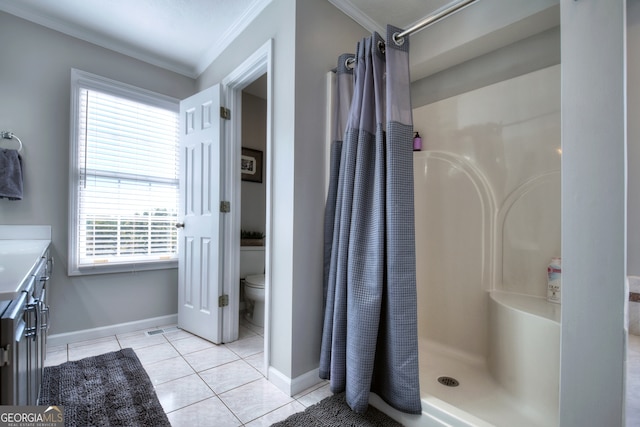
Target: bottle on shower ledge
[554,280]
[417,142]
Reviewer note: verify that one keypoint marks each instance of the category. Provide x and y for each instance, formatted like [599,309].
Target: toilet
[252,274]
[254,296]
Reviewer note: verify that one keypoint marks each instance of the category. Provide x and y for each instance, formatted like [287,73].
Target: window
[124,177]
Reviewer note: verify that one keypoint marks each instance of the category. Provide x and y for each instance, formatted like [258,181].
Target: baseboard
[296,385]
[105,331]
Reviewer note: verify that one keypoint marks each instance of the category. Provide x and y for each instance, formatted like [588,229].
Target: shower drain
[448,381]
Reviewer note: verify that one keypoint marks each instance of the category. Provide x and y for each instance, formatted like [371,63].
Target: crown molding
[357,15]
[225,40]
[22,10]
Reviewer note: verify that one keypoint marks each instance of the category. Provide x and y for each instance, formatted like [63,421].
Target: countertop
[21,247]
[17,260]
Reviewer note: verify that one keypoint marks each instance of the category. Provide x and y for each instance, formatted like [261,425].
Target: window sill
[122,268]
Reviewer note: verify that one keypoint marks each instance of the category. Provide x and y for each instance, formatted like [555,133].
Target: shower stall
[487,212]
[487,224]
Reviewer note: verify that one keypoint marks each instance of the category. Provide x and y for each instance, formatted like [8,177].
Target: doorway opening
[248,96]
[253,145]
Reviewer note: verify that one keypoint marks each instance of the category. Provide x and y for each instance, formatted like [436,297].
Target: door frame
[256,65]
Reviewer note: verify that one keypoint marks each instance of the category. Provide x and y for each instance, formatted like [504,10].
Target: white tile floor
[199,383]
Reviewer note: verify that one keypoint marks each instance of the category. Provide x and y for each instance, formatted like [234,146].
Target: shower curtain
[369,340]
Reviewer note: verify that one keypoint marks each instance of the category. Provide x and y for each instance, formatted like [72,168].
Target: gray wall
[34,103]
[277,22]
[35,83]
[322,34]
[254,135]
[305,48]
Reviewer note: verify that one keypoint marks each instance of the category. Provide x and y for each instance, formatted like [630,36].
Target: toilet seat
[255,281]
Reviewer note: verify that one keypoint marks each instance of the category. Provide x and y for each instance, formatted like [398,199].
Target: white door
[199,273]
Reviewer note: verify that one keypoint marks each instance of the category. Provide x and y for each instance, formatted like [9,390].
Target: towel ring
[11,135]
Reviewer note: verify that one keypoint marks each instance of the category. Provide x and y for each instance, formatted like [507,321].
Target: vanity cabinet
[24,318]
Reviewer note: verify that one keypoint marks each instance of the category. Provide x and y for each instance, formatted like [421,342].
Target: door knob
[180,225]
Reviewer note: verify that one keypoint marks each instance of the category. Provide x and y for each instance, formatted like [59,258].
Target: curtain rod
[398,38]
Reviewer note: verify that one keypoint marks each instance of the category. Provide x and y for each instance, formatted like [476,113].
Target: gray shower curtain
[369,340]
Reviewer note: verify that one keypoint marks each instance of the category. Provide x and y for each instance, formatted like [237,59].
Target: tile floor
[199,383]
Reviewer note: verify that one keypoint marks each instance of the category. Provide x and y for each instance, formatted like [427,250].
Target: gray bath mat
[334,412]
[111,389]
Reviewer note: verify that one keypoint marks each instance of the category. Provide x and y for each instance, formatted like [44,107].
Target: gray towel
[10,174]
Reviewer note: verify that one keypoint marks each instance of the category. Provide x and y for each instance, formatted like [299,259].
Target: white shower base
[479,400]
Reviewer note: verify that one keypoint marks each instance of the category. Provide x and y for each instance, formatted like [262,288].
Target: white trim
[305,381]
[132,267]
[259,63]
[355,13]
[87,80]
[185,68]
[225,40]
[106,331]
[18,9]
[84,80]
[279,380]
[296,385]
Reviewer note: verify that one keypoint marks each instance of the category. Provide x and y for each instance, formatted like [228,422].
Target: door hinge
[225,207]
[225,113]
[5,355]
[223,300]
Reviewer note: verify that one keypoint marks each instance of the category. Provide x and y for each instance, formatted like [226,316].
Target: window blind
[127,187]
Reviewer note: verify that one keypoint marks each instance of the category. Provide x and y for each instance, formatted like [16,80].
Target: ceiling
[185,36]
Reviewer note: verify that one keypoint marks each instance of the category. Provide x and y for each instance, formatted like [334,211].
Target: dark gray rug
[334,412]
[111,389]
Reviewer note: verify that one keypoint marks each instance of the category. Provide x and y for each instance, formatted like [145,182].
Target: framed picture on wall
[251,165]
